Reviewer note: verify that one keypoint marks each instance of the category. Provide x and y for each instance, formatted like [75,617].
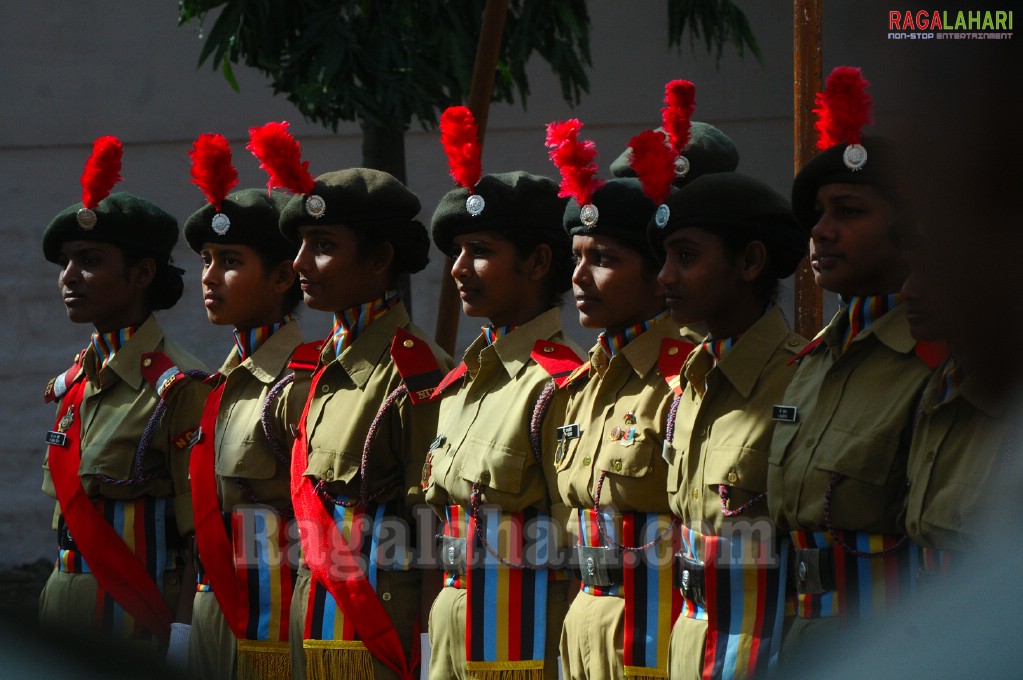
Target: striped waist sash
[506,580]
[743,587]
[640,546]
[858,578]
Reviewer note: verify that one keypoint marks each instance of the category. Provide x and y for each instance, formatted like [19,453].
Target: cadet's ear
[539,262]
[753,261]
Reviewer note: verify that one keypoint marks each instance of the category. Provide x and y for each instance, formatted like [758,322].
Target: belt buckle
[813,571]
[452,553]
[689,578]
[593,565]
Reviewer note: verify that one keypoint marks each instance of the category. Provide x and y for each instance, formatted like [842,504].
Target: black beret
[358,198]
[727,200]
[514,201]
[121,219]
[623,213]
[828,167]
[254,221]
[709,150]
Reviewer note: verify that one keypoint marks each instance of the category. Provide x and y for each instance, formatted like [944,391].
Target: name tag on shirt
[569,432]
[785,414]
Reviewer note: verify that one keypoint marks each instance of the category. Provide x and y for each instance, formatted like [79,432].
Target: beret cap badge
[855,157]
[220,223]
[474,204]
[662,215]
[315,206]
[589,215]
[86,219]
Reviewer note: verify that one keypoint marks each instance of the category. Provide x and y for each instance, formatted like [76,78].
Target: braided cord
[837,536]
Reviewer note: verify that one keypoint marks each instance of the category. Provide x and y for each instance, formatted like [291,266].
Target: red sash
[215,548]
[117,570]
[336,566]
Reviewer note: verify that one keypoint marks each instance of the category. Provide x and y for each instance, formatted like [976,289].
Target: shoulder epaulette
[931,352]
[453,376]
[416,364]
[560,361]
[58,387]
[671,359]
[161,373]
[810,346]
[306,356]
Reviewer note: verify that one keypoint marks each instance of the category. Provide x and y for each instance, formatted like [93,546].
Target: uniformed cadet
[727,241]
[362,436]
[117,461]
[958,435]
[610,471]
[241,458]
[837,474]
[485,472]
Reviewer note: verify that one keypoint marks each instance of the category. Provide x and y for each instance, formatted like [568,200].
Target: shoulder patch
[161,373]
[58,387]
[305,357]
[672,357]
[931,352]
[810,346]
[560,361]
[416,364]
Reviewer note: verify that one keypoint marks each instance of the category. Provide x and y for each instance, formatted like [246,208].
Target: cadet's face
[612,288]
[238,290]
[701,279]
[850,252]
[333,275]
[491,278]
[99,288]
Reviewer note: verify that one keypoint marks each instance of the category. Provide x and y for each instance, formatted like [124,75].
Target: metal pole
[807,80]
[480,91]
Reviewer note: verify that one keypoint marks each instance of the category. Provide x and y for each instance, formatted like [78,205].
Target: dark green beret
[623,213]
[709,150]
[254,221]
[514,201]
[828,167]
[359,198]
[121,219]
[725,201]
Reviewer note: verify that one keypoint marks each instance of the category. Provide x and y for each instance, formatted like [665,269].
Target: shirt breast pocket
[784,435]
[110,460]
[246,459]
[498,467]
[867,457]
[739,467]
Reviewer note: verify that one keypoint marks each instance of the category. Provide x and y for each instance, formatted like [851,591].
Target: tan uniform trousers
[685,652]
[212,647]
[399,594]
[447,632]
[593,637]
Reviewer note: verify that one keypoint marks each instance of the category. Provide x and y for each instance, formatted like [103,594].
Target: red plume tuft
[680,102]
[574,159]
[458,135]
[843,108]
[212,170]
[654,163]
[280,154]
[102,170]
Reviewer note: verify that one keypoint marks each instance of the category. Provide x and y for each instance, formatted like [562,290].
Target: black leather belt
[812,570]
[688,574]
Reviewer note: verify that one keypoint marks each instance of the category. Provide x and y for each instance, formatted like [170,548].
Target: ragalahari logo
[950,25]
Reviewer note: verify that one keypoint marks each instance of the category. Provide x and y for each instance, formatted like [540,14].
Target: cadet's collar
[891,329]
[126,362]
[247,341]
[514,349]
[492,333]
[269,362]
[352,322]
[745,362]
[861,311]
[614,343]
[107,344]
[373,346]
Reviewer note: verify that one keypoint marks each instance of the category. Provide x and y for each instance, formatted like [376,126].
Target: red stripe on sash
[116,569]
[342,577]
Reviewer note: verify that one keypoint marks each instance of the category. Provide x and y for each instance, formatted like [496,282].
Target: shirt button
[703,433]
[912,527]
[617,465]
[793,342]
[485,477]
[328,475]
[386,597]
[809,443]
[696,494]
[732,477]
[672,351]
[324,388]
[240,465]
[586,460]
[930,456]
[834,377]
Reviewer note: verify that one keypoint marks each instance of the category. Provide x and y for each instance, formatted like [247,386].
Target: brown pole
[480,92]
[807,78]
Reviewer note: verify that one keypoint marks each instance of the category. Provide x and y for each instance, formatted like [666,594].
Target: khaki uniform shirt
[484,433]
[116,408]
[854,417]
[723,426]
[243,452]
[628,383]
[955,447]
[349,394]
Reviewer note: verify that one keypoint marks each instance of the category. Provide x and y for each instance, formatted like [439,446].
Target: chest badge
[58,437]
[785,414]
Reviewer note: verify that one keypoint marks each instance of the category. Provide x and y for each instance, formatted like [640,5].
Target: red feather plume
[280,154]
[575,160]
[654,164]
[212,170]
[460,139]
[680,102]
[843,108]
[102,170]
